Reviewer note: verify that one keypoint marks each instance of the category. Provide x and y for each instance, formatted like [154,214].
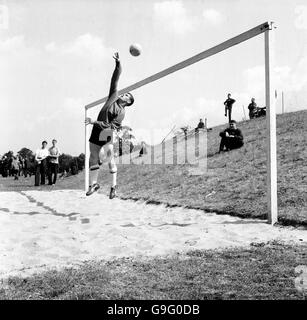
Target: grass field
[259,272]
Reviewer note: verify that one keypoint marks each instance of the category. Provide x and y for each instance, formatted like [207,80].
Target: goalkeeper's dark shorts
[94,138]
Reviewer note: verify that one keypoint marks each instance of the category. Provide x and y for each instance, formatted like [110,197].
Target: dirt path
[40,230]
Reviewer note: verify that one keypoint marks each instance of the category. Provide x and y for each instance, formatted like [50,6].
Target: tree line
[26,163]
[68,165]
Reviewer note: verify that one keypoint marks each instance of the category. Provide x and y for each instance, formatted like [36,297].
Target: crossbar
[205,54]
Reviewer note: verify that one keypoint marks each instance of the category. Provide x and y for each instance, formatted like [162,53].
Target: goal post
[87,154]
[270,98]
[270,101]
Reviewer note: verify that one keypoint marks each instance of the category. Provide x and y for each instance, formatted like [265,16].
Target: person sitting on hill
[232,137]
[200,125]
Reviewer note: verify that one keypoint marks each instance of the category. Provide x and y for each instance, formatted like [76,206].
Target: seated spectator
[232,137]
[252,107]
[261,112]
[200,125]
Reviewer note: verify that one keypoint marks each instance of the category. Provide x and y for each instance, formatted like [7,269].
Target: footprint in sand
[191,242]
[128,225]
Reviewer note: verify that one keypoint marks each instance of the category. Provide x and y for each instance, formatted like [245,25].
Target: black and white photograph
[153,151]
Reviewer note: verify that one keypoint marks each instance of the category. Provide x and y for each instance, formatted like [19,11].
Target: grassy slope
[235,182]
[258,272]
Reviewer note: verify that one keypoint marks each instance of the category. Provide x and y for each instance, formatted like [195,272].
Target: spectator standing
[131,146]
[143,149]
[53,165]
[5,166]
[228,106]
[252,107]
[15,167]
[74,166]
[41,164]
[29,165]
[21,165]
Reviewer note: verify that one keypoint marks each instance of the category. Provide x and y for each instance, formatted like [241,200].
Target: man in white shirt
[41,163]
[53,169]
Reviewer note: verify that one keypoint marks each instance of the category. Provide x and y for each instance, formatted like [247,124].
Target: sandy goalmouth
[41,230]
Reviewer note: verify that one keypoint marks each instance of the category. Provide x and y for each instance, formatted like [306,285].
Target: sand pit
[41,230]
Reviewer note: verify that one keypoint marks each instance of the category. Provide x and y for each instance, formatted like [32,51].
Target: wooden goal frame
[270,102]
